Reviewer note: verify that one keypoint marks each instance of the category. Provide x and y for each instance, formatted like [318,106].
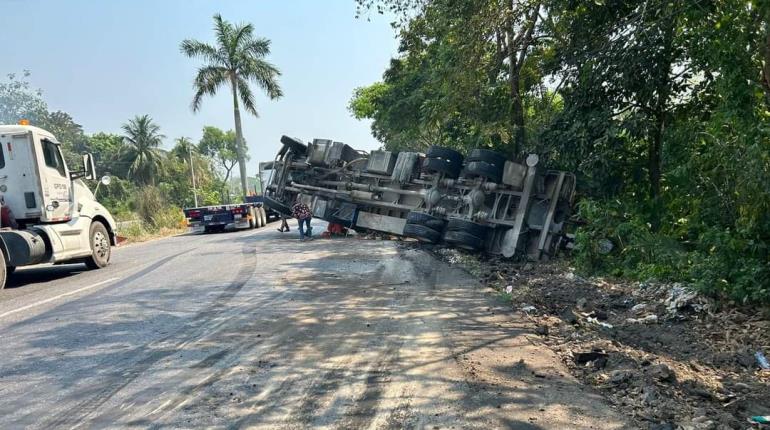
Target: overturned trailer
[482,202]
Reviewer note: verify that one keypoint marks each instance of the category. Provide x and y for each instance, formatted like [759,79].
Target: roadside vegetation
[661,108]
[151,175]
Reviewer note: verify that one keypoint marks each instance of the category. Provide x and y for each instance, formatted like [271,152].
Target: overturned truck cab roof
[479,202]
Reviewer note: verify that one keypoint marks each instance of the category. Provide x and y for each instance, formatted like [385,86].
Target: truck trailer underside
[482,202]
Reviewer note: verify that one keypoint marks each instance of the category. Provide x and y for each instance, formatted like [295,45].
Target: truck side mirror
[89,168]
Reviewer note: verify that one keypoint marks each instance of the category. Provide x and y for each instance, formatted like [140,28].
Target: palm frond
[263,74]
[258,48]
[247,97]
[207,81]
[197,49]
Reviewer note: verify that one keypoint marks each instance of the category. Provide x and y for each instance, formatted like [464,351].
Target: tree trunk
[655,146]
[239,139]
[514,88]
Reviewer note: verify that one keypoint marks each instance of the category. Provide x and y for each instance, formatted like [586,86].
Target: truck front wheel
[100,246]
[3,270]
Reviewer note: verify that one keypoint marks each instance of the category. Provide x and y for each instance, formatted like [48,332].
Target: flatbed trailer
[211,219]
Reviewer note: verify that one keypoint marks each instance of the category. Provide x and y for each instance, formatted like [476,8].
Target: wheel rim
[101,245]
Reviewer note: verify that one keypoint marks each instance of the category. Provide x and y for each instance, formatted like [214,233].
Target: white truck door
[55,182]
[17,174]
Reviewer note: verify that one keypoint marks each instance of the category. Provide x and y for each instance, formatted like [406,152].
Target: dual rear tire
[465,234]
[424,227]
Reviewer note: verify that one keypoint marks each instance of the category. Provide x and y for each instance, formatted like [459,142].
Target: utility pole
[192,172]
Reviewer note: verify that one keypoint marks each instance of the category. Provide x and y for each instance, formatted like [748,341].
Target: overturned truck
[482,202]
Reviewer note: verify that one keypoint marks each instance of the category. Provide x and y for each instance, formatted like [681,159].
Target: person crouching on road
[303,215]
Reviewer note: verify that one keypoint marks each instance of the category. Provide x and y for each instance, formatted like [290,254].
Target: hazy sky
[106,61]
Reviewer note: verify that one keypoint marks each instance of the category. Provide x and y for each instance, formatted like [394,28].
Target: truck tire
[485,170]
[440,165]
[492,157]
[444,153]
[429,221]
[3,270]
[100,246]
[253,220]
[470,227]
[422,233]
[263,215]
[258,222]
[464,240]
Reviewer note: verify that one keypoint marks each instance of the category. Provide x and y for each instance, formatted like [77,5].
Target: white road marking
[50,299]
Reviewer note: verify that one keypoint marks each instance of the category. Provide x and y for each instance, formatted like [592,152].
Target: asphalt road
[254,329]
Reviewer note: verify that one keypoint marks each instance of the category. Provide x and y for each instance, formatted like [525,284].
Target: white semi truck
[48,213]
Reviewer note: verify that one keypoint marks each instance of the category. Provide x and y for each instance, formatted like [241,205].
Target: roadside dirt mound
[662,354]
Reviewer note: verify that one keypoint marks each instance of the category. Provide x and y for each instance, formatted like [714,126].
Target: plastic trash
[600,323]
[509,289]
[762,361]
[649,319]
[760,419]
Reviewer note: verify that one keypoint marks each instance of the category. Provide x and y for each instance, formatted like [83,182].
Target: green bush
[721,263]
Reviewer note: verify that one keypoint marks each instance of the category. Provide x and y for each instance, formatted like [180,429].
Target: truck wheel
[447,154]
[485,170]
[263,216]
[253,220]
[492,157]
[422,233]
[464,240]
[429,221]
[470,227]
[100,246]
[440,165]
[3,270]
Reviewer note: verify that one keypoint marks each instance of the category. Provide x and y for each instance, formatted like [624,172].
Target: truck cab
[48,213]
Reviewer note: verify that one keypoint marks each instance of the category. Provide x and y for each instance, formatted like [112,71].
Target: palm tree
[237,59]
[183,148]
[142,151]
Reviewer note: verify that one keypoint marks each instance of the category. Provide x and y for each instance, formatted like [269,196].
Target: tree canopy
[661,108]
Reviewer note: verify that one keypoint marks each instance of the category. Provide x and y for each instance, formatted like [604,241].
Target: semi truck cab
[48,213]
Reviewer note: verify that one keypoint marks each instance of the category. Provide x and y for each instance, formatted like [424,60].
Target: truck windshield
[53,156]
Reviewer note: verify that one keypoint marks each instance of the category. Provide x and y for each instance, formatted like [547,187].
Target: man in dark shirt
[303,215]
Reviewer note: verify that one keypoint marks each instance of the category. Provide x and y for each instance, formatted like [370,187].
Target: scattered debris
[683,299]
[596,321]
[649,319]
[672,359]
[509,289]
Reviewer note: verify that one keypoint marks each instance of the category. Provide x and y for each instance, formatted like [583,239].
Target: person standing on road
[303,215]
[284,224]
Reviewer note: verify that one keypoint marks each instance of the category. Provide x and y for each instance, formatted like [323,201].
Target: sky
[104,62]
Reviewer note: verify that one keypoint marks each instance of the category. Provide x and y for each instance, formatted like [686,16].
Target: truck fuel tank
[25,247]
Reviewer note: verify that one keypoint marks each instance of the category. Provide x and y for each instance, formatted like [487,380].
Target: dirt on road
[258,330]
[364,334]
